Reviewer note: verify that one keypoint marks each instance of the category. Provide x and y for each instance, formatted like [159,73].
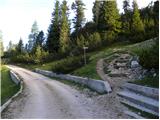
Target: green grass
[142,113]
[136,49]
[46,66]
[8,87]
[148,81]
[89,70]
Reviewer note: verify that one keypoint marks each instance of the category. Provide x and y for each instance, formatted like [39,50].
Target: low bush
[149,57]
[69,64]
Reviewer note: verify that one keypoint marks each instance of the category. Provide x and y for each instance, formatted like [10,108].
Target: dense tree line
[108,26]
[1,45]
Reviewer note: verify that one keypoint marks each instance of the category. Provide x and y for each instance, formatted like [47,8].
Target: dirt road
[43,97]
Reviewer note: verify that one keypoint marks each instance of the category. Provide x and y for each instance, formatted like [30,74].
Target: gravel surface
[43,97]
[118,66]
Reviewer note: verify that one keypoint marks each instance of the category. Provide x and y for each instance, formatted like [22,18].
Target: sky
[17,16]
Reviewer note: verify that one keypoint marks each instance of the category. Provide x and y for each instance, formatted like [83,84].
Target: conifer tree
[79,19]
[137,28]
[37,55]
[54,30]
[96,11]
[65,29]
[137,25]
[32,36]
[126,17]
[20,47]
[110,19]
[40,39]
[1,45]
[81,41]
[156,16]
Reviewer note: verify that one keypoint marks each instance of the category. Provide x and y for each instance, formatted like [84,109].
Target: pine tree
[126,17]
[10,46]
[96,10]
[26,47]
[1,45]
[156,16]
[40,38]
[137,25]
[148,20]
[81,42]
[20,47]
[137,28]
[33,36]
[38,55]
[109,19]
[79,19]
[54,30]
[65,29]
[94,41]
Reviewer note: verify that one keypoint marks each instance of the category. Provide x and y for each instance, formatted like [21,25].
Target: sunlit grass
[8,87]
[89,70]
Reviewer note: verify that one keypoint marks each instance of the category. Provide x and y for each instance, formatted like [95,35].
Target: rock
[140,77]
[152,71]
[144,72]
[134,64]
[154,75]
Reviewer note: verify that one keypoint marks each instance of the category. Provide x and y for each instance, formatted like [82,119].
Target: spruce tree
[33,36]
[79,19]
[126,17]
[156,16]
[137,28]
[54,30]
[1,45]
[37,55]
[20,47]
[65,29]
[96,11]
[40,39]
[137,25]
[81,41]
[10,46]
[110,20]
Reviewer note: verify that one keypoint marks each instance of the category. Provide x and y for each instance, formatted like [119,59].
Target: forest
[107,27]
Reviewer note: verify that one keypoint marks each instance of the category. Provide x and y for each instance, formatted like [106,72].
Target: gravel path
[43,97]
[115,82]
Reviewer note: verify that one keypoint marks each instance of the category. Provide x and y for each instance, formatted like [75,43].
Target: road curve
[44,98]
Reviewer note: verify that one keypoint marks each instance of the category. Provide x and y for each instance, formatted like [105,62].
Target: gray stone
[154,75]
[14,77]
[140,100]
[139,89]
[97,85]
[140,108]
[118,74]
[134,64]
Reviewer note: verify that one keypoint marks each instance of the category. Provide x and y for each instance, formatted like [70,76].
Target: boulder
[134,64]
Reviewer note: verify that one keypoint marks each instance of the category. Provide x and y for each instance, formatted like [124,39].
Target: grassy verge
[148,81]
[8,87]
[138,49]
[89,70]
[142,113]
